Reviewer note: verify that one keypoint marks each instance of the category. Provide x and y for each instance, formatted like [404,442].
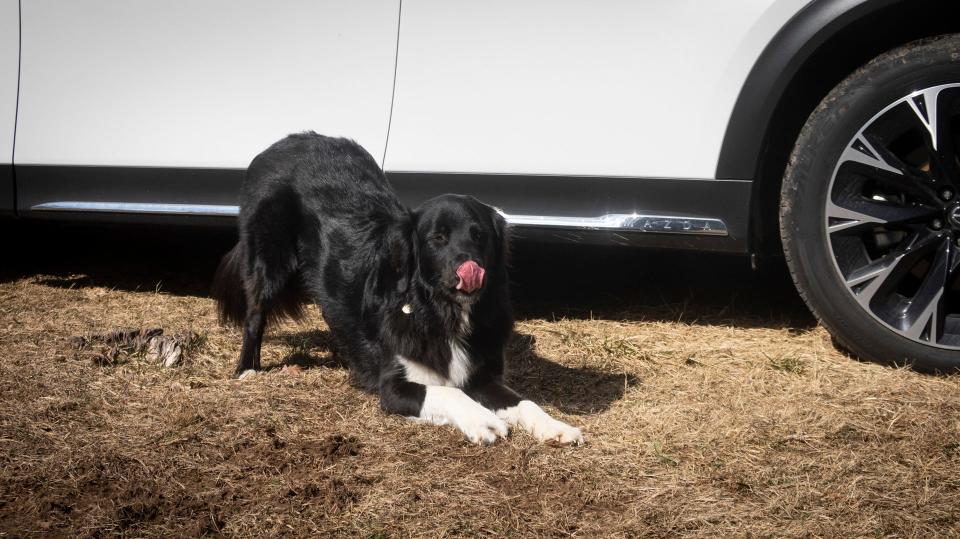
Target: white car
[694,124]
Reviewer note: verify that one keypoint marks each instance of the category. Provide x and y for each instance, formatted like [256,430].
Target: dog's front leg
[440,405]
[523,413]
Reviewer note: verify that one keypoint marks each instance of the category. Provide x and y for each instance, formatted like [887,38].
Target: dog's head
[461,246]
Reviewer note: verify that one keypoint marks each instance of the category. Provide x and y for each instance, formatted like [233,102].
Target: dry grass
[712,408]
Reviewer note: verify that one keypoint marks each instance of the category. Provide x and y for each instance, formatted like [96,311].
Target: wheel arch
[815,50]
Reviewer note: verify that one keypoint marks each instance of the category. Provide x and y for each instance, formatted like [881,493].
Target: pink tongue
[471,276]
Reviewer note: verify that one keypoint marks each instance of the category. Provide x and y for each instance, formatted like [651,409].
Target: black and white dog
[417,301]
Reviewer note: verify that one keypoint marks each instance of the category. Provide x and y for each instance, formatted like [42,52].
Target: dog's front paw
[481,426]
[556,431]
[529,416]
[449,405]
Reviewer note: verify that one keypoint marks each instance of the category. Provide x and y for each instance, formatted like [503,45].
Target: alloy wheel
[892,216]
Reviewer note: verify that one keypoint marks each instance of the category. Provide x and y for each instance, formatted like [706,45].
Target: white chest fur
[459,369]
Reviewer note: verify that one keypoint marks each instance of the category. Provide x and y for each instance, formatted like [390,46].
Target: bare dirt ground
[712,403]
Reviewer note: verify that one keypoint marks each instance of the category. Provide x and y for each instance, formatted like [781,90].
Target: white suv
[695,124]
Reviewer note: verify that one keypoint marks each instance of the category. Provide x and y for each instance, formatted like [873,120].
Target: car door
[580,114]
[582,87]
[9,66]
[156,107]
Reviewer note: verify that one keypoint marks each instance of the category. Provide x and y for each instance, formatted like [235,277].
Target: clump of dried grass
[110,348]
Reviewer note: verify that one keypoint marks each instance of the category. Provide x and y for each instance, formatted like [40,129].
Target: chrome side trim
[625,222]
[140,207]
[611,222]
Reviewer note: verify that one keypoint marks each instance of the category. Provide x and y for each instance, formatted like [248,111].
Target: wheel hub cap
[953,217]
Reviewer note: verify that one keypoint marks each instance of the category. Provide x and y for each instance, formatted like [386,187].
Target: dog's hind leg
[287,301]
[270,270]
[264,305]
[252,339]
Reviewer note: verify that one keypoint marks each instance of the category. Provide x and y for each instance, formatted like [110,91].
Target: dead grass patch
[711,417]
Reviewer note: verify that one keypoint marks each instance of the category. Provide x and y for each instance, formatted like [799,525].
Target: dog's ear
[413,237]
[501,233]
[400,251]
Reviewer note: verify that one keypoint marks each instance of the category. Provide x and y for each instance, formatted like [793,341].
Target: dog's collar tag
[407,308]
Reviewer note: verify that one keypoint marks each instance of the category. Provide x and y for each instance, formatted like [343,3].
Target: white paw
[538,423]
[481,426]
[557,431]
[449,405]
[249,373]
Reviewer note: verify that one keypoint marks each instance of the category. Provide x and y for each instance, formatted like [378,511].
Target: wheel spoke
[930,108]
[879,271]
[924,105]
[923,317]
[859,213]
[846,219]
[954,263]
[871,159]
[862,151]
[884,272]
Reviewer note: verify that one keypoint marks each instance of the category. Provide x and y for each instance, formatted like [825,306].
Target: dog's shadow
[310,349]
[572,390]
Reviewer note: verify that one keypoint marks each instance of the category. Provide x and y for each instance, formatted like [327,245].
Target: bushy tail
[228,288]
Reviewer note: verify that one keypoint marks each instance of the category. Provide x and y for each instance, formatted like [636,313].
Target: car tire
[870,208]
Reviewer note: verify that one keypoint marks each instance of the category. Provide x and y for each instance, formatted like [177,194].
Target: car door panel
[9,68]
[611,88]
[179,86]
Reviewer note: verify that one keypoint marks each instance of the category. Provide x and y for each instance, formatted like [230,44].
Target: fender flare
[771,75]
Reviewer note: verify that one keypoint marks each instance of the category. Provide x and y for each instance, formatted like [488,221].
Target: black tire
[820,257]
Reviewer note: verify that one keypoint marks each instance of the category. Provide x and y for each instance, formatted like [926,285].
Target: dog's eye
[438,237]
[477,234]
